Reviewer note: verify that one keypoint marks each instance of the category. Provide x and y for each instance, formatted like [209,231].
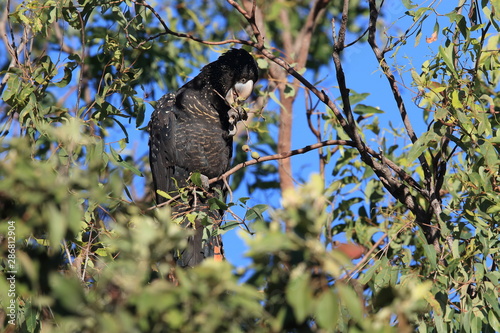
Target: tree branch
[303,40]
[265,159]
[281,156]
[380,55]
[168,31]
[365,259]
[295,51]
[12,49]
[344,92]
[423,218]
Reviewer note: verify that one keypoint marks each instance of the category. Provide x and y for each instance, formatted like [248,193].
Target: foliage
[420,215]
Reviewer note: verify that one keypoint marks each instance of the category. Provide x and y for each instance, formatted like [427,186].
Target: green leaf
[430,254]
[289,90]
[455,249]
[327,310]
[439,323]
[367,276]
[68,74]
[476,325]
[299,296]
[416,78]
[262,63]
[490,154]
[139,110]
[229,226]
[492,300]
[418,36]
[366,109]
[350,300]
[31,318]
[408,4]
[57,224]
[355,98]
[68,290]
[196,179]
[272,94]
[493,320]
[436,27]
[447,54]
[164,194]
[460,22]
[118,159]
[422,144]
[441,113]
[215,203]
[103,252]
[420,12]
[256,212]
[456,100]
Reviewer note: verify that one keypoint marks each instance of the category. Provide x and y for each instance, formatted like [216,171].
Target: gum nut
[255,155]
[245,147]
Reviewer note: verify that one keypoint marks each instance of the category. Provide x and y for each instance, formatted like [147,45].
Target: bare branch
[265,159]
[14,51]
[398,189]
[340,39]
[344,91]
[380,55]
[365,259]
[316,131]
[303,40]
[168,31]
[281,156]
[423,217]
[82,62]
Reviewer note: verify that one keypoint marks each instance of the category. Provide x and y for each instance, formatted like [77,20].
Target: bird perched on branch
[191,131]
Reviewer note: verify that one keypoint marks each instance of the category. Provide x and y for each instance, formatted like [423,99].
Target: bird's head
[245,74]
[233,75]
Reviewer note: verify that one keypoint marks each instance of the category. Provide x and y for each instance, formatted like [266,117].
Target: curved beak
[239,93]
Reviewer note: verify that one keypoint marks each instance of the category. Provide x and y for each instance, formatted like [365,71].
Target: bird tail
[206,242]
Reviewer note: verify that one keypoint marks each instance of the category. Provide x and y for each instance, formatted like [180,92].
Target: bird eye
[243,80]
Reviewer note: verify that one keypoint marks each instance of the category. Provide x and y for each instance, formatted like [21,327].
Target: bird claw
[204,181]
[236,114]
[232,130]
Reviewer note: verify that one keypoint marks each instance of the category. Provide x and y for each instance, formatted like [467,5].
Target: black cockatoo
[191,131]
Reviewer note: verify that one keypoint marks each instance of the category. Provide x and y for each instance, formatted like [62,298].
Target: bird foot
[232,130]
[236,114]
[204,181]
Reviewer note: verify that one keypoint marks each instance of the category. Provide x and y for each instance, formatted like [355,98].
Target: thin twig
[367,257]
[263,159]
[281,156]
[168,31]
[13,50]
[87,251]
[82,63]
[380,55]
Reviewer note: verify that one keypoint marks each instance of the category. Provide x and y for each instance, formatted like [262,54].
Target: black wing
[164,157]
[162,146]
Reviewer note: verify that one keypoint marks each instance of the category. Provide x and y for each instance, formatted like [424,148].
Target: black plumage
[191,131]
